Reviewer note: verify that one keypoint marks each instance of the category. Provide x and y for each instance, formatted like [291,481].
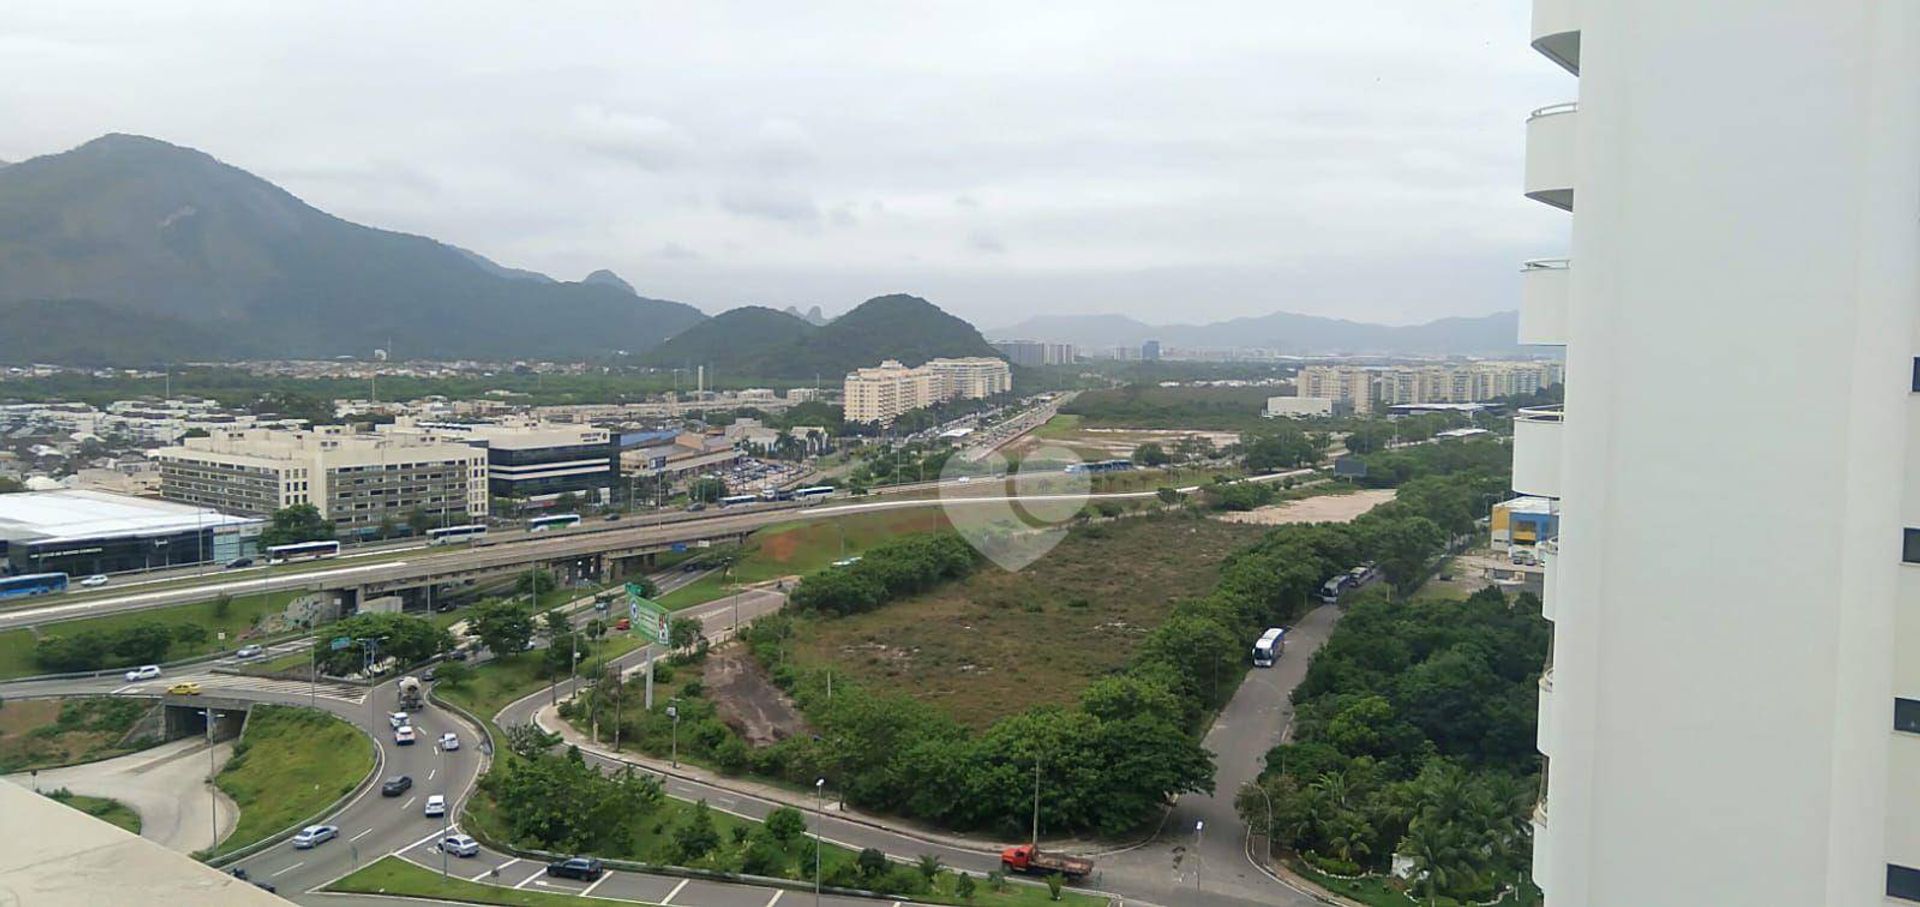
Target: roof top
[73,514]
[1527,505]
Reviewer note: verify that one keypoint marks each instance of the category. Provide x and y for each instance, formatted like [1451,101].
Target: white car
[96,580]
[403,735]
[249,651]
[399,720]
[436,805]
[314,835]
[449,741]
[460,845]
[144,672]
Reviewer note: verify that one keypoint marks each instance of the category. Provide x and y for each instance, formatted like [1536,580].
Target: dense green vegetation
[296,524]
[769,343]
[106,810]
[46,733]
[138,637]
[1152,406]
[1414,733]
[288,765]
[403,637]
[888,572]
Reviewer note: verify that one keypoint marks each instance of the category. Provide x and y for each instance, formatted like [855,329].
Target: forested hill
[767,344]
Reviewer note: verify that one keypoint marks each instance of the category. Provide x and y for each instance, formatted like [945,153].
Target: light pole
[213,797]
[1198,827]
[673,712]
[446,815]
[1269,800]
[819,812]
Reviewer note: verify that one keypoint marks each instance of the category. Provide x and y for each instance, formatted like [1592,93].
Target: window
[1906,715]
[1916,374]
[1903,883]
[1910,552]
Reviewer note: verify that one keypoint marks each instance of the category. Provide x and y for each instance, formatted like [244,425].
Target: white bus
[557,521]
[813,492]
[739,499]
[1272,643]
[303,551]
[452,534]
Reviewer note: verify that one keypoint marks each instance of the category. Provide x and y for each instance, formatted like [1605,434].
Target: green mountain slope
[763,343]
[172,233]
[84,332]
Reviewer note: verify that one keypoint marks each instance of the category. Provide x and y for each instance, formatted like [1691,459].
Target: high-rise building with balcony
[1731,714]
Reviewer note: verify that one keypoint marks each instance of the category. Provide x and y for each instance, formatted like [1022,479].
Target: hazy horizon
[998,160]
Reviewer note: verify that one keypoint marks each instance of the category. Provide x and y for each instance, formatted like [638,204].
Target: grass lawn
[1058,427]
[1150,479]
[290,763]
[16,646]
[44,733]
[110,811]
[804,546]
[394,876]
[501,680]
[705,589]
[975,647]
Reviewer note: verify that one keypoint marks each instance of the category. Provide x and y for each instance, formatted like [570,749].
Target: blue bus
[1101,466]
[32,584]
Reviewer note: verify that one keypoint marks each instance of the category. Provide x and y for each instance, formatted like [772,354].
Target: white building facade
[1730,716]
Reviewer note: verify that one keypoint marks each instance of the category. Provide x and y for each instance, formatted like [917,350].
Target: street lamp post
[446,815]
[1198,827]
[213,797]
[819,812]
[673,712]
[1269,801]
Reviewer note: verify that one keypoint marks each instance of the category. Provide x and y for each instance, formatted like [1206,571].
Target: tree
[963,885]
[706,490]
[567,502]
[1151,454]
[296,524]
[786,825]
[697,837]
[1280,447]
[419,521]
[528,740]
[294,405]
[144,643]
[503,627]
[872,862]
[1168,495]
[646,586]
[454,674]
[222,606]
[683,632]
[929,866]
[403,637]
[534,582]
[1403,548]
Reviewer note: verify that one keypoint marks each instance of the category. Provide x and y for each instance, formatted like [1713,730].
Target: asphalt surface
[167,785]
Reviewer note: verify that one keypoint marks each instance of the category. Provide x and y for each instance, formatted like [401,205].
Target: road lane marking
[409,804]
[406,847]
[359,836]
[430,773]
[776,897]
[496,870]
[596,883]
[676,890]
[536,874]
[288,869]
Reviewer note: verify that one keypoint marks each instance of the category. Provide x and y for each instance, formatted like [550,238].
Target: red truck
[1028,858]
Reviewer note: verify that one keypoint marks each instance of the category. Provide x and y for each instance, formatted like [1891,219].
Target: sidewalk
[548,719]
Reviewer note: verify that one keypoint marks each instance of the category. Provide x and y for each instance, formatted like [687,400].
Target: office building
[882,394]
[533,462]
[357,479]
[86,532]
[1731,712]
[1150,351]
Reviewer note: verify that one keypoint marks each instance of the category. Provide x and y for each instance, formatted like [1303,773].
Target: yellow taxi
[184,689]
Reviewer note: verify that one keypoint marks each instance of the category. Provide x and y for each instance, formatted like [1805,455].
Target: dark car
[397,785]
[265,886]
[444,607]
[239,562]
[612,517]
[459,655]
[586,869]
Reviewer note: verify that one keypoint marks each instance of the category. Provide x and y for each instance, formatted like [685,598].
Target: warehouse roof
[75,515]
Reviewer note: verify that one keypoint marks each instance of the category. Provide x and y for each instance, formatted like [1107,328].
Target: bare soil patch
[746,699]
[1330,508]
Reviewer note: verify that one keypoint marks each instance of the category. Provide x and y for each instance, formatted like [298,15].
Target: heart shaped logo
[1014,512]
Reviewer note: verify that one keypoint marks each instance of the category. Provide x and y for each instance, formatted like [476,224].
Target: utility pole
[819,812]
[1036,803]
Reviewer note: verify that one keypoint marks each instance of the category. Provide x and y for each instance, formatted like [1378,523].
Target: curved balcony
[1556,32]
[1549,551]
[1536,451]
[1546,286]
[1543,738]
[1551,133]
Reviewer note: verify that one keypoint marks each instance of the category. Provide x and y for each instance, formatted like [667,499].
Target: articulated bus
[452,534]
[1101,466]
[32,584]
[1272,643]
[304,551]
[557,521]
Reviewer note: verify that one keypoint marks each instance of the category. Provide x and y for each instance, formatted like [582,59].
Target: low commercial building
[87,532]
[530,461]
[359,480]
[1524,521]
[1298,407]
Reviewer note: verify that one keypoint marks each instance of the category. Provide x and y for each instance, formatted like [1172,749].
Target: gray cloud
[1360,160]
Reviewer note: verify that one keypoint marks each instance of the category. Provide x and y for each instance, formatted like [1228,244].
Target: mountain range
[766,343]
[1282,331]
[210,261]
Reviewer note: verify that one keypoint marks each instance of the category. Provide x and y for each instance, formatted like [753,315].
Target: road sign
[341,642]
[649,619]
[679,546]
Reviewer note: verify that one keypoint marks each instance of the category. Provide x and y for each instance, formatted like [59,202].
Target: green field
[45,733]
[289,764]
[110,811]
[997,643]
[16,646]
[394,876]
[1176,408]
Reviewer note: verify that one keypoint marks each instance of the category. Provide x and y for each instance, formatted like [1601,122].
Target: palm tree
[1434,850]
[930,866]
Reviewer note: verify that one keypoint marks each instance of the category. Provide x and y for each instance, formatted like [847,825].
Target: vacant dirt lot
[1329,508]
[746,700]
[998,642]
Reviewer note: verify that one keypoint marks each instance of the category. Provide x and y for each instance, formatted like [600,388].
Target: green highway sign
[649,619]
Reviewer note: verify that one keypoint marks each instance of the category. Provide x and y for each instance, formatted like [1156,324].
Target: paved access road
[167,785]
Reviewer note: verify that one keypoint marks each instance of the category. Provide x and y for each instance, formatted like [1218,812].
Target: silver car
[460,845]
[315,835]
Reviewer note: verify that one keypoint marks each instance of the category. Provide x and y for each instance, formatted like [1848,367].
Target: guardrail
[1546,414]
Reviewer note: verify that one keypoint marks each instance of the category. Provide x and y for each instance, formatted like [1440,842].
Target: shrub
[873,863]
[963,886]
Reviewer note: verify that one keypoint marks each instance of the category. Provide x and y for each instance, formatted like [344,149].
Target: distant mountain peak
[811,316]
[606,278]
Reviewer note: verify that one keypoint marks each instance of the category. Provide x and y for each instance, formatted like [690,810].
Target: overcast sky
[1173,162]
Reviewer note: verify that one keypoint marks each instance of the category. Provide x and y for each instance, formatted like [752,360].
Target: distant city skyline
[997,159]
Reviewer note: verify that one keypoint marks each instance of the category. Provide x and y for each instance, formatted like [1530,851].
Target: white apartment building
[1341,384]
[882,394]
[1730,716]
[355,479]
